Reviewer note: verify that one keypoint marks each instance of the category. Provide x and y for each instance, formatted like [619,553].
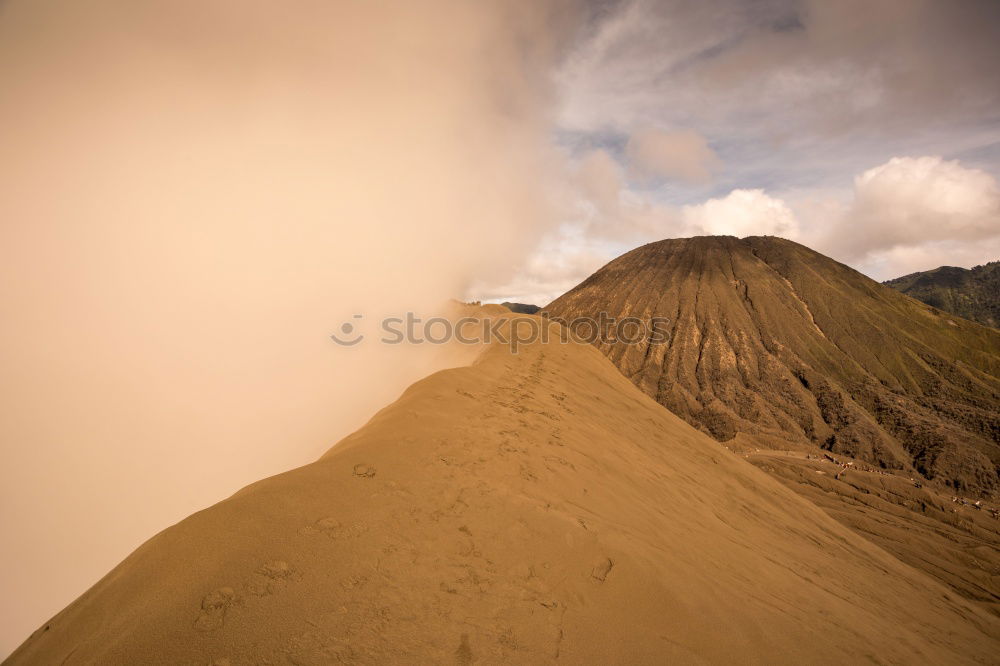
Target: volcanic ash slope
[774,345]
[527,509]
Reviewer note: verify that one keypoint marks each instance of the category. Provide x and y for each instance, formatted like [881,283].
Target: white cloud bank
[914,201]
[908,214]
[916,213]
[741,213]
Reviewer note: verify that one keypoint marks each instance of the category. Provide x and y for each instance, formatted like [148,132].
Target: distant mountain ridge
[776,345]
[521,308]
[971,293]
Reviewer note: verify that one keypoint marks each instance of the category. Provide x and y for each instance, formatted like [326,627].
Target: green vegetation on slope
[970,293]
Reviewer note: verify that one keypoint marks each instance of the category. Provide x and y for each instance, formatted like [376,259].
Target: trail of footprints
[268,579]
[517,399]
[362,627]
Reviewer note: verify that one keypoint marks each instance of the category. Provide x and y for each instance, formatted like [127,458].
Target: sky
[868,130]
[194,194]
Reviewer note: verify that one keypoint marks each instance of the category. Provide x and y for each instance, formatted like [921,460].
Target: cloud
[907,214]
[911,201]
[599,178]
[194,196]
[837,62]
[657,155]
[606,208]
[562,261]
[903,260]
[742,213]
[792,93]
[799,97]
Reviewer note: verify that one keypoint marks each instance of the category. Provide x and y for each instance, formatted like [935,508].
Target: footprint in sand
[213,609]
[270,577]
[602,569]
[364,471]
[276,570]
[334,529]
[463,653]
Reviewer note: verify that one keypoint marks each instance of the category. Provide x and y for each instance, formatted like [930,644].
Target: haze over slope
[193,196]
[776,345]
[529,508]
[971,293]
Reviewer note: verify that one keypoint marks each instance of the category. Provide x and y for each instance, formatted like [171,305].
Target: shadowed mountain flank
[775,345]
[521,308]
[530,508]
[971,293]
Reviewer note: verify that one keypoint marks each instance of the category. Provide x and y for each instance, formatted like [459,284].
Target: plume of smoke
[194,196]
[654,154]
